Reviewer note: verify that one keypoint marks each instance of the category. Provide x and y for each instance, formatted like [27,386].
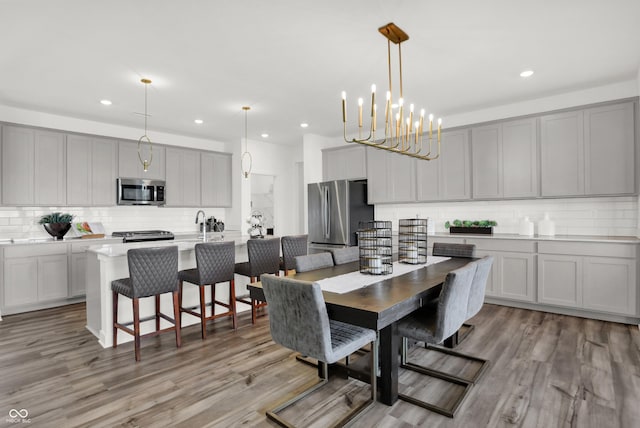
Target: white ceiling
[289,60]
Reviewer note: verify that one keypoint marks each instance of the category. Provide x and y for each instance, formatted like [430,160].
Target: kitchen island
[108,262]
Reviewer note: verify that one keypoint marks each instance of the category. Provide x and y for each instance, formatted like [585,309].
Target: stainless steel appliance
[139,191]
[144,235]
[335,209]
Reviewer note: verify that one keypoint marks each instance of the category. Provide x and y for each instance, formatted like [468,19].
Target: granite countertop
[571,238]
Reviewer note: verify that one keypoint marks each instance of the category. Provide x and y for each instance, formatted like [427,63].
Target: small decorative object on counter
[56,224]
[374,240]
[546,226]
[412,241]
[483,227]
[526,227]
[256,230]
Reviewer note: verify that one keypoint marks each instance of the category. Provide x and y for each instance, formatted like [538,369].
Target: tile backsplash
[22,222]
[612,216]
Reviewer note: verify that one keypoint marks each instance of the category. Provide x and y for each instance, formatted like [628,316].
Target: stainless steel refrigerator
[335,209]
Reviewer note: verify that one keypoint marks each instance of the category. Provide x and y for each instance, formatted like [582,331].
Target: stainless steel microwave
[139,191]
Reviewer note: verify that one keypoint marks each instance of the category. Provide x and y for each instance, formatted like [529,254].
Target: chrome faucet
[203,225]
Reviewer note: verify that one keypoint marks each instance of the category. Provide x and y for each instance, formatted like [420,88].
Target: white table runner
[353,280]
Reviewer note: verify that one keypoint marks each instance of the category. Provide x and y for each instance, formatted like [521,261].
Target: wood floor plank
[546,370]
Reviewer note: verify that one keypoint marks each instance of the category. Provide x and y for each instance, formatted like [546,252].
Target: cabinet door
[562,154]
[20,281]
[79,162]
[215,180]
[516,276]
[609,150]
[610,285]
[53,279]
[560,280]
[486,144]
[519,159]
[345,163]
[17,165]
[376,176]
[455,179]
[401,178]
[129,164]
[183,177]
[103,172]
[78,273]
[50,186]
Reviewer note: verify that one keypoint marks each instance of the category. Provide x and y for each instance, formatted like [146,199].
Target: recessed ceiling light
[105,102]
[526,73]
[304,125]
[199,121]
[265,135]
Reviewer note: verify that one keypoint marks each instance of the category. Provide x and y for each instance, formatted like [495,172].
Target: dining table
[379,306]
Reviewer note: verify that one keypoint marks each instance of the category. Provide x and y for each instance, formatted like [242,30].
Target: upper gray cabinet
[588,152]
[504,159]
[183,177]
[447,177]
[344,163]
[129,164]
[91,171]
[215,179]
[33,167]
[390,177]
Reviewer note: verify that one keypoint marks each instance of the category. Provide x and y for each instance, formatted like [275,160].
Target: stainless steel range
[144,235]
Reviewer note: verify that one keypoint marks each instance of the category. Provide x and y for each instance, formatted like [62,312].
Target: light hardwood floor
[546,371]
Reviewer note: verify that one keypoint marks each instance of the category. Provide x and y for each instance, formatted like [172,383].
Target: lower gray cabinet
[598,277]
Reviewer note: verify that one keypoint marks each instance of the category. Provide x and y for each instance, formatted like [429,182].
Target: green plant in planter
[470,223]
[56,218]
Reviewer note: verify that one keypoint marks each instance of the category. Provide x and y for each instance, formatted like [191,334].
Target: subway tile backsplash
[22,222]
[609,216]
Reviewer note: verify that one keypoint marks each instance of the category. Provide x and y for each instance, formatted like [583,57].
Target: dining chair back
[292,246]
[345,255]
[313,262]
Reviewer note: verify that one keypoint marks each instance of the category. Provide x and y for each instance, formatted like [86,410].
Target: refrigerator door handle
[325,213]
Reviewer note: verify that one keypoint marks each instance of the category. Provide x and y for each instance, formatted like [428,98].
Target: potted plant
[471,226]
[56,224]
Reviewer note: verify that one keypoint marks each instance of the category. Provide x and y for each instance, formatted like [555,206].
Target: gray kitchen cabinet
[216,179]
[33,171]
[513,273]
[34,277]
[91,171]
[504,159]
[609,150]
[183,177]
[344,163]
[129,164]
[593,276]
[390,177]
[589,152]
[449,176]
[78,269]
[562,154]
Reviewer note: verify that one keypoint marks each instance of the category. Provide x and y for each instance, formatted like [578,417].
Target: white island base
[109,262]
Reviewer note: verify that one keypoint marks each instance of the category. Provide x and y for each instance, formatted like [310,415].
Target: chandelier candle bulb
[374,115]
[430,126]
[344,107]
[360,101]
[439,128]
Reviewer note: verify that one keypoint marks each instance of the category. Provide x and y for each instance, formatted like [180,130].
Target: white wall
[579,216]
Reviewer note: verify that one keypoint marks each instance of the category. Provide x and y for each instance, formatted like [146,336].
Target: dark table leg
[388,354]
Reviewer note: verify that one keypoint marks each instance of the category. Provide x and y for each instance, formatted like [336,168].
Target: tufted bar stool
[215,263]
[152,272]
[264,257]
[292,246]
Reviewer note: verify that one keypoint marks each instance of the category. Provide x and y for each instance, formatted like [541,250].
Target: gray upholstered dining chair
[152,272]
[215,263]
[299,321]
[292,246]
[345,255]
[264,257]
[313,262]
[433,327]
[445,249]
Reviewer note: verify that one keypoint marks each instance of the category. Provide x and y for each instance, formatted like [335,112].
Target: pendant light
[246,156]
[145,139]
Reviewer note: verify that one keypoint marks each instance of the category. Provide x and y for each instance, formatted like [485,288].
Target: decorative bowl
[57,230]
